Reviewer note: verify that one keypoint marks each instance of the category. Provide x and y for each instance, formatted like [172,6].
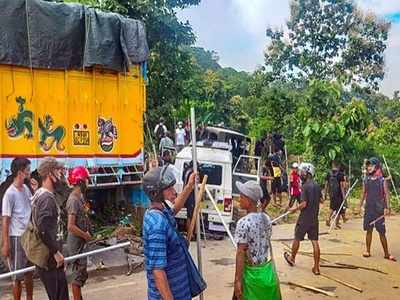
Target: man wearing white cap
[255,276]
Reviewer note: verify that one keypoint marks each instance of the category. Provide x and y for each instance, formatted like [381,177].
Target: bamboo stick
[197,208]
[313,289]
[342,282]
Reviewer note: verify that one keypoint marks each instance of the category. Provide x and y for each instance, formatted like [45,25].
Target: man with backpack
[335,186]
[46,217]
[376,197]
[16,211]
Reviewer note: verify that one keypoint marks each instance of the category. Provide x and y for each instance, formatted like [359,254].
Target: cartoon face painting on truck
[87,107]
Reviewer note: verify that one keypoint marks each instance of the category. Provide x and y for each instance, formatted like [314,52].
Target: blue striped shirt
[163,251]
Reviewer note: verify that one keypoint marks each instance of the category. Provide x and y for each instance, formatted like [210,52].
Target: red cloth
[295,189]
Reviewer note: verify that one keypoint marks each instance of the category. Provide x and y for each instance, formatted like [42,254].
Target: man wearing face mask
[180,136]
[78,227]
[46,216]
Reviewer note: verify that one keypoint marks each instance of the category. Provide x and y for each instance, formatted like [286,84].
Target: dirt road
[218,259]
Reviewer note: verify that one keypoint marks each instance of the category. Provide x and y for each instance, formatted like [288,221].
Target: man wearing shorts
[335,187]
[307,222]
[16,210]
[376,197]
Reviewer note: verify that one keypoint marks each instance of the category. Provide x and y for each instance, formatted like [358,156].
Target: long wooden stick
[339,266]
[362,268]
[342,282]
[197,208]
[313,289]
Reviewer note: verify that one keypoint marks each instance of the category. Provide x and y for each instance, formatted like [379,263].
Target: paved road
[218,257]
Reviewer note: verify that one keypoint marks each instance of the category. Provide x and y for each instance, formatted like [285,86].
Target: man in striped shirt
[164,256]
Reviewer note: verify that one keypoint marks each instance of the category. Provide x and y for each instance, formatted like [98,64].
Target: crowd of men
[29,205]
[255,275]
[31,233]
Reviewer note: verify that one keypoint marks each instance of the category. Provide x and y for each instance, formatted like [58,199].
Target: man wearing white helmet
[307,222]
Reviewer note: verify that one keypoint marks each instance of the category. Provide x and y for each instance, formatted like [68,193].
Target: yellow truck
[72,86]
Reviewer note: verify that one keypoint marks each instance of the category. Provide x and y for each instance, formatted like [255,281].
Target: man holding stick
[307,222]
[255,276]
[376,197]
[167,272]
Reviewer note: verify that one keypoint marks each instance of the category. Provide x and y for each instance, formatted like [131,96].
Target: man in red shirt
[295,185]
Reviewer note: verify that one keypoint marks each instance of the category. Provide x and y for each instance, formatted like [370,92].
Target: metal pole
[341,206]
[196,192]
[220,216]
[69,259]
[391,179]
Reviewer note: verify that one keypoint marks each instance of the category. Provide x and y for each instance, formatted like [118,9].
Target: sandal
[366,254]
[391,258]
[315,272]
[288,259]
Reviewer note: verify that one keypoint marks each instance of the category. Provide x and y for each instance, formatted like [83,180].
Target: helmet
[307,168]
[157,180]
[295,165]
[78,175]
[373,161]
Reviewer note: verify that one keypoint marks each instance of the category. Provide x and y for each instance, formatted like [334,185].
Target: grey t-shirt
[17,206]
[75,206]
[255,230]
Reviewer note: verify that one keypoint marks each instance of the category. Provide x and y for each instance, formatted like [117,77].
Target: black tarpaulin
[68,36]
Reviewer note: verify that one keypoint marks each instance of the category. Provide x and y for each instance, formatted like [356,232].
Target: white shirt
[180,135]
[17,206]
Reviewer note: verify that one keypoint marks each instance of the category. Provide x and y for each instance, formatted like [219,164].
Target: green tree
[329,40]
[170,65]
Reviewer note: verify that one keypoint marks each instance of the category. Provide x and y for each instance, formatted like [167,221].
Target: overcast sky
[235,29]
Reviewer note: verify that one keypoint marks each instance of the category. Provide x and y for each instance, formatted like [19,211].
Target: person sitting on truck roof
[165,263]
[78,227]
[255,277]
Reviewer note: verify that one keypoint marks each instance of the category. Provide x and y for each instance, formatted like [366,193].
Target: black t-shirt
[334,179]
[311,193]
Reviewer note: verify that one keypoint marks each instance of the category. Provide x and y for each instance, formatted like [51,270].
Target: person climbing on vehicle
[295,185]
[376,197]
[78,227]
[335,186]
[307,223]
[255,276]
[165,263]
